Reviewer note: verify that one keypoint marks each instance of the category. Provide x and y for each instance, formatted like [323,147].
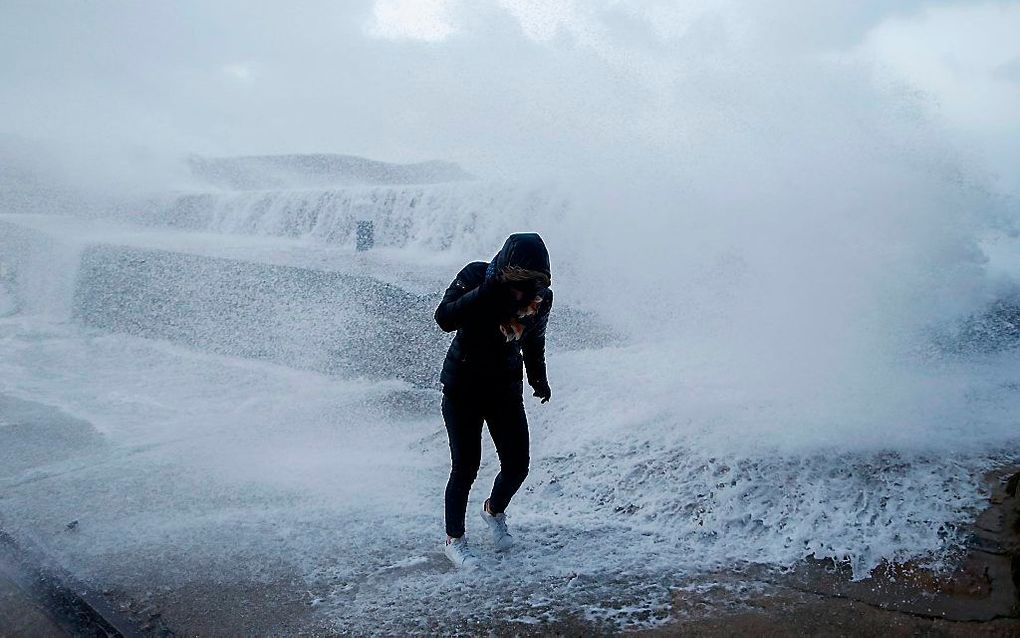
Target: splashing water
[758,279]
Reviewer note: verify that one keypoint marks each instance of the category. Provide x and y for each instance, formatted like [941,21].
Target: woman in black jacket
[500,310]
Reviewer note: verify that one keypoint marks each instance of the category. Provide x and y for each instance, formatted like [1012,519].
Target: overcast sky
[497,85]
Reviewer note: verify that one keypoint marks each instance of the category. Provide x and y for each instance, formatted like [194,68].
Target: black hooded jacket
[480,357]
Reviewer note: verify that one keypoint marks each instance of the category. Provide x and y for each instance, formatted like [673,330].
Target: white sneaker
[501,538]
[460,554]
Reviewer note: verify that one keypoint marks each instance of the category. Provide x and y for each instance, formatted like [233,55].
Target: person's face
[526,294]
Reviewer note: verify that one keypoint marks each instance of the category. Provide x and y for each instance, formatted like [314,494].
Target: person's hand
[542,390]
[499,297]
[531,308]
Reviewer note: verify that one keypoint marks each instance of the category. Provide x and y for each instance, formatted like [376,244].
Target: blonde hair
[516,274]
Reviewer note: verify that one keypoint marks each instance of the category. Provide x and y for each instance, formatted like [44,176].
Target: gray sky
[498,85]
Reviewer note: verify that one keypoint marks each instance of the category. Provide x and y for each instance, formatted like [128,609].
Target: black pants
[508,427]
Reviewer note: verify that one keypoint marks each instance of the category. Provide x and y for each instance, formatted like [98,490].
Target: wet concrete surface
[21,614]
[794,613]
[34,434]
[204,608]
[980,596]
[39,598]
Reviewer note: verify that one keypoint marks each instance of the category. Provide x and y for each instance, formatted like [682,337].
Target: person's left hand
[542,390]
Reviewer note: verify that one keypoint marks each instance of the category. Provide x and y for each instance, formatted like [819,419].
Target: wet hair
[523,277]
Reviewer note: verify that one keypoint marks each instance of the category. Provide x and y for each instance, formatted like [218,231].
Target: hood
[525,250]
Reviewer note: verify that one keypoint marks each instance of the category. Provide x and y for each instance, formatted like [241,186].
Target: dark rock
[979,597]
[1011,485]
[982,587]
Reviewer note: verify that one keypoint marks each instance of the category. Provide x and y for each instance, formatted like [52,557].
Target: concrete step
[310,307]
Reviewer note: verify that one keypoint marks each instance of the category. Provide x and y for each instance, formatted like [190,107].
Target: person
[500,311]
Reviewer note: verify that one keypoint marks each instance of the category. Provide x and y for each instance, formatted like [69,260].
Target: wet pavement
[22,615]
[39,597]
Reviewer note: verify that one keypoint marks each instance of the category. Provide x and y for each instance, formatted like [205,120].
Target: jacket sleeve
[533,346]
[464,301]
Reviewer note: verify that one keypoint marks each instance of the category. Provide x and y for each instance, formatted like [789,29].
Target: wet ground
[162,530]
[22,615]
[978,598]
